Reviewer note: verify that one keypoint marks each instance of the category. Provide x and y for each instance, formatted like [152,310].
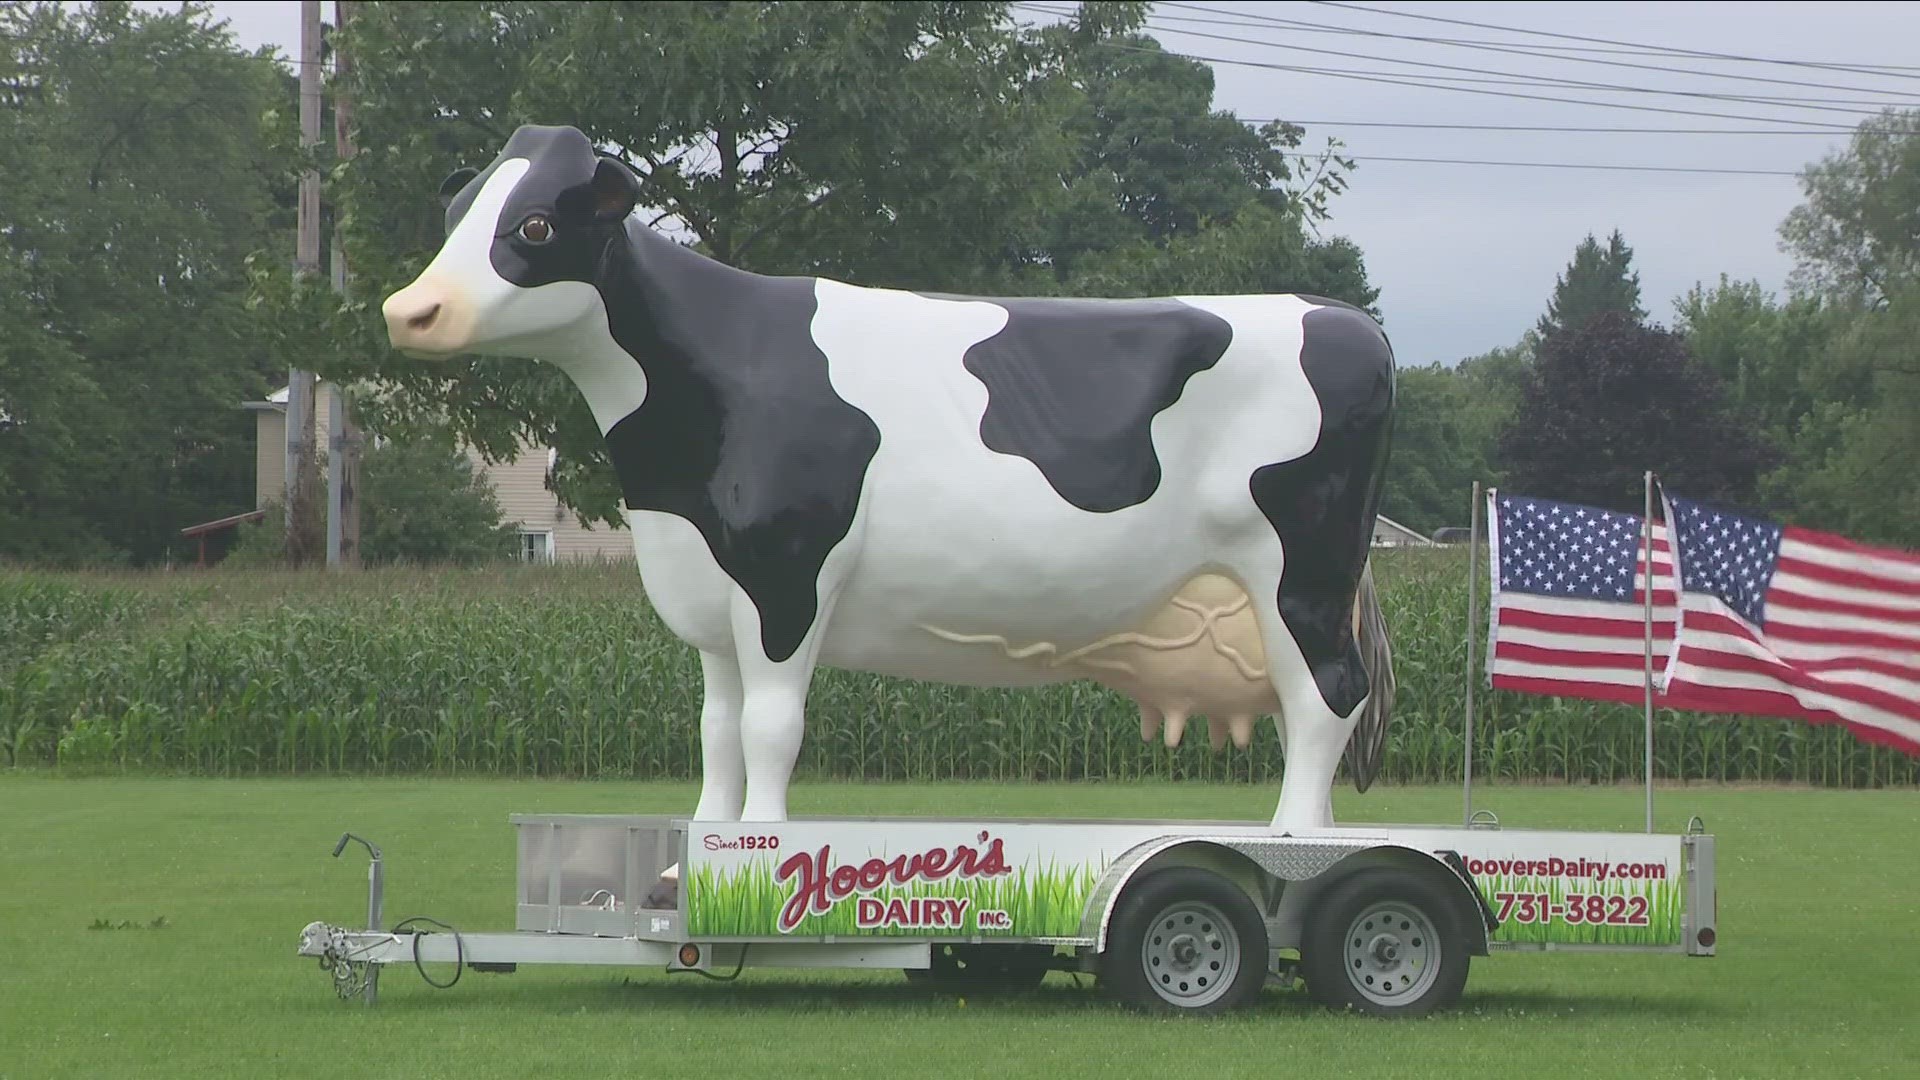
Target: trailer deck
[1180,915]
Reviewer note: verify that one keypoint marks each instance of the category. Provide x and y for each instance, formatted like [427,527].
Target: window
[536,546]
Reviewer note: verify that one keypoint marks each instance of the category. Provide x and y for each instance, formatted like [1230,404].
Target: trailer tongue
[1180,916]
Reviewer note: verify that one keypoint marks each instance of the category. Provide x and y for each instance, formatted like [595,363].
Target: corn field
[564,672]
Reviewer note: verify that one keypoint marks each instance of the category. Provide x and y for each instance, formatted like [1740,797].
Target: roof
[277,401]
[225,522]
[1399,528]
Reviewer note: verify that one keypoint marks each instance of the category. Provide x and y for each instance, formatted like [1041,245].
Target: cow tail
[1368,744]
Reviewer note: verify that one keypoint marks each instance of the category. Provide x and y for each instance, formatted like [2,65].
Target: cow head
[525,238]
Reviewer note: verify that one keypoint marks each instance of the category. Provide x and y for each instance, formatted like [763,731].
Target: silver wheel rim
[1392,953]
[1190,954]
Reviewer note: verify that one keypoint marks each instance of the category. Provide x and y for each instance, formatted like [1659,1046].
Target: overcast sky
[1465,255]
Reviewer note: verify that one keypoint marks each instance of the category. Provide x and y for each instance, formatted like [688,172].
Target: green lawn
[1818,915]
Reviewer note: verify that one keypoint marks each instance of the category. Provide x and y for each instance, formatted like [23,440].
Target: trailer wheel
[1384,942]
[1185,940]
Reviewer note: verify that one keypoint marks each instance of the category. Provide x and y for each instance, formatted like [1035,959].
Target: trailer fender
[1252,863]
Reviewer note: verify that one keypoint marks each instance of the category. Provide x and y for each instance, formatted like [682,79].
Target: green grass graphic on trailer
[1039,901]
[1606,912]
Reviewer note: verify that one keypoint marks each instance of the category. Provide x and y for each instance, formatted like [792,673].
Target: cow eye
[535,230]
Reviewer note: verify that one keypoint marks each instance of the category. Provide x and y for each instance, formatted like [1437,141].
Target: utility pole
[343,448]
[306,262]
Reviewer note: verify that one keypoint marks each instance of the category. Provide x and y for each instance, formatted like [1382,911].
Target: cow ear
[455,180]
[615,189]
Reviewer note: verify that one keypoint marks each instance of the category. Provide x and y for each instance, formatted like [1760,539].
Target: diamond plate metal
[1293,860]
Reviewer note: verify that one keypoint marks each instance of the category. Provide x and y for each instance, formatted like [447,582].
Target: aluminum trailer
[1177,916]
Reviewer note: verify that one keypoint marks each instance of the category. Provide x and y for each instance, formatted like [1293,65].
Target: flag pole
[1646,527]
[1473,616]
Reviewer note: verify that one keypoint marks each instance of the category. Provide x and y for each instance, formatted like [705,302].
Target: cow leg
[1280,728]
[1313,733]
[773,708]
[1322,507]
[723,776]
[1315,736]
[723,772]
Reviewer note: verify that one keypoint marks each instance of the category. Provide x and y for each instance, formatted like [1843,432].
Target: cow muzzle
[423,320]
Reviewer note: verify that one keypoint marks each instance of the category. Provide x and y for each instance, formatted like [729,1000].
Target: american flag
[1569,610]
[1785,621]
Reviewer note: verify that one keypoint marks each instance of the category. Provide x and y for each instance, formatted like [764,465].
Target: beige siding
[521,487]
[270,448]
[269,456]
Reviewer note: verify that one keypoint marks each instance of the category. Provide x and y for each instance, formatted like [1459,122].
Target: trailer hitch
[376,889]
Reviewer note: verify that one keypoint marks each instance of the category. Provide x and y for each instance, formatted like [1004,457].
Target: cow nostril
[425,319]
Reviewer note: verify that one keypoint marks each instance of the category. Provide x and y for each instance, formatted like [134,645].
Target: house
[1390,533]
[549,532]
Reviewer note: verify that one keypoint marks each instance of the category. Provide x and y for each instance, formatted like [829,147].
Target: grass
[200,888]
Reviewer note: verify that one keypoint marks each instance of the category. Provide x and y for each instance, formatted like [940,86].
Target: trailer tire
[1185,940]
[1385,942]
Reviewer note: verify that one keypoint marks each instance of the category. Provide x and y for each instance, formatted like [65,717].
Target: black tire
[983,967]
[1185,940]
[1385,942]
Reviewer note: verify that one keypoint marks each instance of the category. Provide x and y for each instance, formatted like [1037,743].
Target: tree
[1776,360]
[422,503]
[1856,242]
[1851,468]
[928,145]
[1857,235]
[139,172]
[1597,280]
[1612,399]
[1151,161]
[1437,452]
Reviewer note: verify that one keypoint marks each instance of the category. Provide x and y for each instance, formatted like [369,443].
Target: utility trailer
[1176,916]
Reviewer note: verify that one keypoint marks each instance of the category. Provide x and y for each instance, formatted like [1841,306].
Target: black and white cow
[948,488]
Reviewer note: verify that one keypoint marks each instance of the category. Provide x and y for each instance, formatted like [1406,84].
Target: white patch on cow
[683,583]
[977,543]
[608,376]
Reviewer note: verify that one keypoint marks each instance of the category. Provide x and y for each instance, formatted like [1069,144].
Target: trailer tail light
[1705,937]
[689,954]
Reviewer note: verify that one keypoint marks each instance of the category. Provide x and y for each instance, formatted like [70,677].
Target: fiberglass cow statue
[1172,496]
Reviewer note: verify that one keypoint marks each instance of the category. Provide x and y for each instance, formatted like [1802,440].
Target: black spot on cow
[1073,386]
[741,433]
[1323,505]
[567,212]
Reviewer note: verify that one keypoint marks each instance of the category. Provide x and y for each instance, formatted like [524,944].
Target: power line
[1857,70]
[1557,165]
[1502,47]
[1872,69]
[1547,80]
[1538,127]
[1872,108]
[1828,125]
